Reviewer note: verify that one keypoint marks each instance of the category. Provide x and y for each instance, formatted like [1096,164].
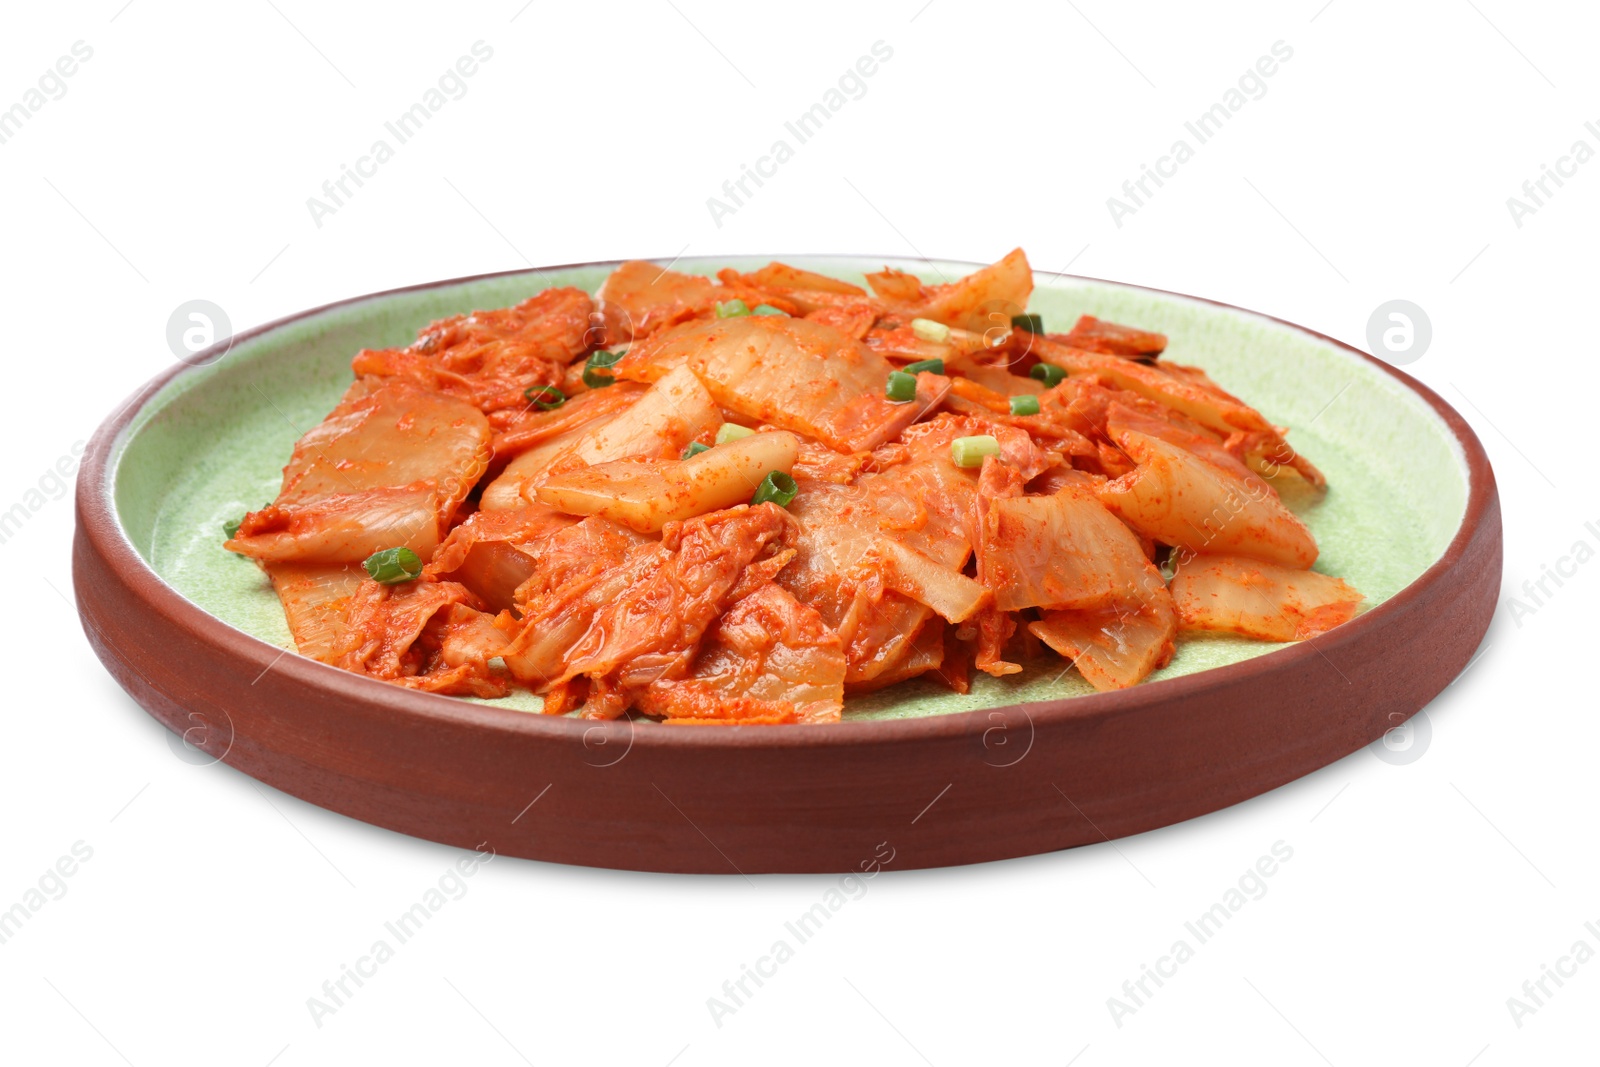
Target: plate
[1018,766]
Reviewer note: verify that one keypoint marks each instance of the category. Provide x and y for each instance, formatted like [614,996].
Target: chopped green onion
[768,309]
[928,330]
[732,431]
[1031,323]
[1024,405]
[1169,566]
[901,388]
[1048,373]
[969,451]
[932,366]
[777,488]
[694,449]
[732,309]
[393,565]
[597,362]
[544,397]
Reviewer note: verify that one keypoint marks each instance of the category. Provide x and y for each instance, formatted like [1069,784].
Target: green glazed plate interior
[211,445]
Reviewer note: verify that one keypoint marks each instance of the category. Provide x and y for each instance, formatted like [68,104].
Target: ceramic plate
[1032,762]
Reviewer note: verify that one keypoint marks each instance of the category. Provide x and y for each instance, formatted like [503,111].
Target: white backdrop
[1376,162]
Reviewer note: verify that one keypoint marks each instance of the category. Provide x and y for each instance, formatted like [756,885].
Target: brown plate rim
[101,524]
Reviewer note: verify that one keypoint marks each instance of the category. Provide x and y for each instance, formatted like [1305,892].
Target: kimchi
[743,499]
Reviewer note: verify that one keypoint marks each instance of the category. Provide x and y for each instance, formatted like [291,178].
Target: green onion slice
[732,309]
[969,451]
[901,387]
[1048,373]
[544,397]
[1024,405]
[768,309]
[1031,323]
[932,366]
[732,431]
[597,362]
[694,449]
[393,565]
[928,330]
[777,488]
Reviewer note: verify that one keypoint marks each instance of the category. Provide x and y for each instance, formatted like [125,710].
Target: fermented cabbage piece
[533,426]
[316,600]
[641,619]
[1096,335]
[781,276]
[769,658]
[1181,500]
[836,526]
[1177,430]
[799,375]
[674,411]
[400,634]
[924,502]
[565,559]
[954,596]
[981,301]
[1230,594]
[657,425]
[639,297]
[1199,399]
[495,552]
[388,467]
[1111,649]
[646,495]
[924,652]
[488,358]
[1063,551]
[1104,604]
